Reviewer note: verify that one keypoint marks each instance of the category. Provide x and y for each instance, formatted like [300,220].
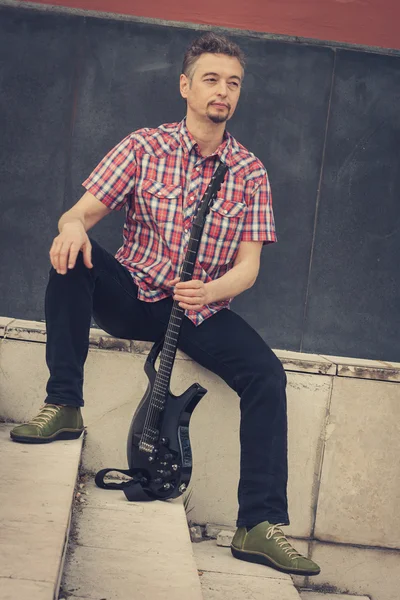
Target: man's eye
[212,79]
[233,84]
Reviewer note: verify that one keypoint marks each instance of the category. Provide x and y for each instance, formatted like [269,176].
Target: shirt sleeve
[259,224]
[114,177]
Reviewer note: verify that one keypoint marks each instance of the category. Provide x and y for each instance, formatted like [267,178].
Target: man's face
[213,89]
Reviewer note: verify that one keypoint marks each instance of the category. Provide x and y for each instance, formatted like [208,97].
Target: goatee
[218,118]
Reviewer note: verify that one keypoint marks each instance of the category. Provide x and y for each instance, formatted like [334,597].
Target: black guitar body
[168,468]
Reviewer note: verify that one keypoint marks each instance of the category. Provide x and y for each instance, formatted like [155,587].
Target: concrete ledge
[35,497]
[362,368]
[35,331]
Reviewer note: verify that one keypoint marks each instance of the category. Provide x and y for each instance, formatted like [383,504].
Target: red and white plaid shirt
[160,177]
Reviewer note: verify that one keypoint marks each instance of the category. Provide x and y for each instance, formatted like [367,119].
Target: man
[160,176]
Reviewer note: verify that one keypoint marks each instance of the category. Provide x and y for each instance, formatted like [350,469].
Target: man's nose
[222,88]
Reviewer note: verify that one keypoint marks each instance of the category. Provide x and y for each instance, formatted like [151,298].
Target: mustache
[228,106]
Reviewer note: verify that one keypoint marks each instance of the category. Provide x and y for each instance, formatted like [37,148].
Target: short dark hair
[214,44]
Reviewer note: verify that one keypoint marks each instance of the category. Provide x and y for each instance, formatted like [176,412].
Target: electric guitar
[158,450]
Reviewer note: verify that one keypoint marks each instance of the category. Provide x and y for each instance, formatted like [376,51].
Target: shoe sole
[62,434]
[262,559]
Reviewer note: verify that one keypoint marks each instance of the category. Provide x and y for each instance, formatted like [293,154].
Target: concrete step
[36,496]
[123,550]
[222,576]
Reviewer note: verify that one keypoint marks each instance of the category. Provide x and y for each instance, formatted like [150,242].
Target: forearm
[240,278]
[71,216]
[87,212]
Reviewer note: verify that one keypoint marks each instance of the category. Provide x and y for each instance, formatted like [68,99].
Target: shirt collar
[224,150]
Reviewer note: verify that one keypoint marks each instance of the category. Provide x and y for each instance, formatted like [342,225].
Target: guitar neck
[170,346]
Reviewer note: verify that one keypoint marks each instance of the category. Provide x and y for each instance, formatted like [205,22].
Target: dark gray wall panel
[282,119]
[354,304]
[36,74]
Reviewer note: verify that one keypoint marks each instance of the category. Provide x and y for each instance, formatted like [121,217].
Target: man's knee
[271,370]
[264,371]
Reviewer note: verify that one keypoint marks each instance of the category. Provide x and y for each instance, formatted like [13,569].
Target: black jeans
[225,344]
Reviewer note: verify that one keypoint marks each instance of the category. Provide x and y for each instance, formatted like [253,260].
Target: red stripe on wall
[366,22]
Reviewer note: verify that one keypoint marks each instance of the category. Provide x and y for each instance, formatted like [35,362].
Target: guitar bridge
[145,447]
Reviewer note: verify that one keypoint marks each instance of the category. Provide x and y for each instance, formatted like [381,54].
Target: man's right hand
[66,246]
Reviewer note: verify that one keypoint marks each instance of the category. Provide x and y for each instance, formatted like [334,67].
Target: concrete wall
[344,444]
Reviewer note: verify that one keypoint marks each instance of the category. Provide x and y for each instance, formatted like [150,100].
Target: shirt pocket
[221,236]
[158,203]
[225,220]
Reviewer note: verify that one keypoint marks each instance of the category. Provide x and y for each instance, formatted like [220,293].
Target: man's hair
[214,44]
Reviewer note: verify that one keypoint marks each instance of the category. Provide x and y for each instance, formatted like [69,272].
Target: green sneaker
[266,544]
[54,422]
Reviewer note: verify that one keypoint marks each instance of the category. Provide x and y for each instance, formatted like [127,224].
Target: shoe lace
[46,413]
[282,541]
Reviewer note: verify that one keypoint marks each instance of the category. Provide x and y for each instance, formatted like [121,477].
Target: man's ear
[184,85]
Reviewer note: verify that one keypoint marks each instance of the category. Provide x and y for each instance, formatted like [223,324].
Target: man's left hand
[190,295]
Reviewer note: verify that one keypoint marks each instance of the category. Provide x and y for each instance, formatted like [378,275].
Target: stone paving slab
[127,550]
[36,494]
[223,576]
[20,589]
[220,586]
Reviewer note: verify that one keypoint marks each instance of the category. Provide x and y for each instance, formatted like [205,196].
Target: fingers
[54,253]
[87,255]
[64,251]
[59,253]
[190,295]
[73,253]
[192,284]
[194,307]
[63,256]
[173,281]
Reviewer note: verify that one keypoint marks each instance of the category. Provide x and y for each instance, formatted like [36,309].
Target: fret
[158,389]
[169,344]
[171,336]
[161,386]
[162,376]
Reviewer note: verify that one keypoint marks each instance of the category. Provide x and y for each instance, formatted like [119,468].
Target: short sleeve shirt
[159,176]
